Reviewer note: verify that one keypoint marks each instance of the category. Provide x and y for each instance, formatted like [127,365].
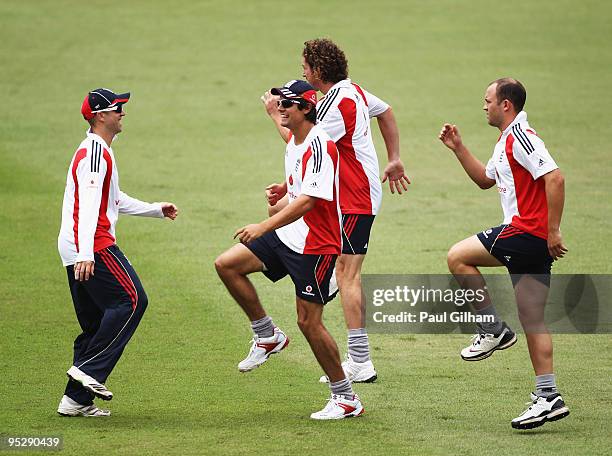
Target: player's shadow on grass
[540,431]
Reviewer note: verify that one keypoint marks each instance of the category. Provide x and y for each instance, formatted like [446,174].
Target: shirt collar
[92,135]
[520,117]
[344,83]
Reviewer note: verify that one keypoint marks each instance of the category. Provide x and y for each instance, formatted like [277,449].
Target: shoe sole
[341,417]
[554,416]
[272,352]
[372,379]
[69,415]
[508,344]
[102,396]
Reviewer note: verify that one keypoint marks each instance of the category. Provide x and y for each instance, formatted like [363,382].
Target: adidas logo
[541,162]
[507,257]
[365,246]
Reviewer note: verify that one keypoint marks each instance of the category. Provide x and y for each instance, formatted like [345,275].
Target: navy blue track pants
[109,307]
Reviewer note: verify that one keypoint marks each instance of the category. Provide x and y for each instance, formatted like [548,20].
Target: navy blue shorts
[356,233]
[311,274]
[520,252]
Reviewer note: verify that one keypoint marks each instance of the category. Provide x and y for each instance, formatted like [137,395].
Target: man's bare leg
[463,259]
[233,266]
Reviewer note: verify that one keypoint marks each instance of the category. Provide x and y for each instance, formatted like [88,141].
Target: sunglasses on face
[288,102]
[118,109]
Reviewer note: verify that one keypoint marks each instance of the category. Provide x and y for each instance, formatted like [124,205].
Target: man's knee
[308,321]
[223,264]
[348,270]
[454,259]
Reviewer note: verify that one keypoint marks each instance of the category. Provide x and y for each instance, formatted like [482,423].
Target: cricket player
[302,240]
[108,297]
[344,113]
[527,242]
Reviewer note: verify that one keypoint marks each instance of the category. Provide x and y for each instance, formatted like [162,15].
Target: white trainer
[262,348]
[356,372]
[89,383]
[541,410]
[68,407]
[339,407]
[483,345]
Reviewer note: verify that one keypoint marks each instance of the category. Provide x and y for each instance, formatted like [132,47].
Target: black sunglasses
[288,102]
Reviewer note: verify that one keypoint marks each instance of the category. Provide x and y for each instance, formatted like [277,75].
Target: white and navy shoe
[356,372]
[541,410]
[339,407]
[68,407]
[90,383]
[262,348]
[483,345]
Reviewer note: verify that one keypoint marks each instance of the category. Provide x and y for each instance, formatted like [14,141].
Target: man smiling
[108,298]
[302,240]
[344,113]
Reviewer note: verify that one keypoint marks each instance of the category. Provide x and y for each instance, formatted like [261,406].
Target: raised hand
[450,137]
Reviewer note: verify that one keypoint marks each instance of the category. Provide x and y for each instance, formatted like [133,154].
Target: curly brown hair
[325,57]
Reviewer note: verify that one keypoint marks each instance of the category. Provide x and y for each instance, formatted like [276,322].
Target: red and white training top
[311,168]
[93,202]
[344,113]
[519,159]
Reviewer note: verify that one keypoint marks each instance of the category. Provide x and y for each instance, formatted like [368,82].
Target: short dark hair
[327,58]
[512,90]
[311,116]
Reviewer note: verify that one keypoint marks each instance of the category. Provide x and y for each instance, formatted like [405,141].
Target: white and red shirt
[519,159]
[311,168]
[344,113]
[93,202]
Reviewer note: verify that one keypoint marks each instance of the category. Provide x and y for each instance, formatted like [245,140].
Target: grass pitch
[196,134]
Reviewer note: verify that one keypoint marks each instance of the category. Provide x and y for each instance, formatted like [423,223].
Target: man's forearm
[290,213]
[555,198]
[473,167]
[282,204]
[390,133]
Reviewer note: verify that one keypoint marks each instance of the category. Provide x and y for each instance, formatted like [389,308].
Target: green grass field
[196,134]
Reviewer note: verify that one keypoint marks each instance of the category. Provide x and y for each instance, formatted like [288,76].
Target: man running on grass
[344,113]
[301,240]
[528,241]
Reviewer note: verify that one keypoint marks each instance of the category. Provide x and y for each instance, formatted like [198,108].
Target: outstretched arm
[450,137]
[270,103]
[133,206]
[285,216]
[554,184]
[394,171]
